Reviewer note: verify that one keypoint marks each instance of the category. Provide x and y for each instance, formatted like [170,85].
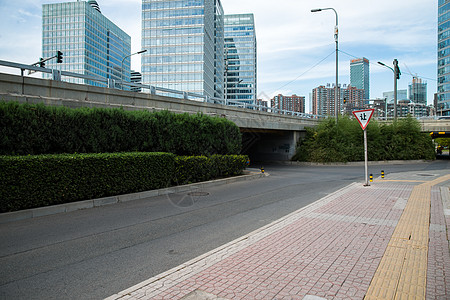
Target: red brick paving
[330,249]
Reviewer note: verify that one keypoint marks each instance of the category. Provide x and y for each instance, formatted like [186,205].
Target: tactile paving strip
[402,273]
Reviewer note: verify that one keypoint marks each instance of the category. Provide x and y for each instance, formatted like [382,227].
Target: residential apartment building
[359,75]
[323,99]
[353,99]
[240,58]
[443,92]
[91,44]
[184,43]
[292,103]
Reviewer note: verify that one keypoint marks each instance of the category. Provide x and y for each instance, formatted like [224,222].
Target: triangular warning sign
[363,116]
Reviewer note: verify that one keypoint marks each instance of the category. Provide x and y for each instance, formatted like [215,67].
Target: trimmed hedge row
[42,180]
[38,129]
[191,169]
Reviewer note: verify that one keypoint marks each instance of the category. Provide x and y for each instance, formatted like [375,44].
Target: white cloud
[290,38]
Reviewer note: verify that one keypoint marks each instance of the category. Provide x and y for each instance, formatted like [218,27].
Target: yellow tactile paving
[402,273]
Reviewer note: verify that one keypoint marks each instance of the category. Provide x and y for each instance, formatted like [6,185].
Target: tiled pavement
[360,242]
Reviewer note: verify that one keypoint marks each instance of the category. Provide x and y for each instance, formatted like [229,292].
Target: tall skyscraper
[184,40]
[359,75]
[443,97]
[91,44]
[418,91]
[240,58]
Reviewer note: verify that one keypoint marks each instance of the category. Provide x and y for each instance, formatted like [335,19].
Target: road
[94,253]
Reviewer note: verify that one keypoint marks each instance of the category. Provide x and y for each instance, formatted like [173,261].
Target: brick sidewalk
[330,249]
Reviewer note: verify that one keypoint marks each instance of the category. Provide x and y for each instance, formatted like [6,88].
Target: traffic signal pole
[41,62]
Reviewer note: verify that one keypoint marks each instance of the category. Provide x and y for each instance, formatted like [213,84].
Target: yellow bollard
[262,170]
[382,174]
[371,177]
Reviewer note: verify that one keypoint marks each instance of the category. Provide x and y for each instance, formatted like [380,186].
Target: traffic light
[345,101]
[59,57]
[42,63]
[397,69]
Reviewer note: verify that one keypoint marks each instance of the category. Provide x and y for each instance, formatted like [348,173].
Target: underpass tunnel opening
[269,145]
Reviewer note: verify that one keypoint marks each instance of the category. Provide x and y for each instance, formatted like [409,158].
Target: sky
[296,48]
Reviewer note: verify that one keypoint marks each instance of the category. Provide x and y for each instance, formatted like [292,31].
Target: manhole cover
[198,194]
[430,175]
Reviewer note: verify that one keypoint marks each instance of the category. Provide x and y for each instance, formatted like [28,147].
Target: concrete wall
[34,90]
[267,136]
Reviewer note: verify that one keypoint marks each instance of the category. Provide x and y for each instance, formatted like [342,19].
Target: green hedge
[401,140]
[190,169]
[38,129]
[42,180]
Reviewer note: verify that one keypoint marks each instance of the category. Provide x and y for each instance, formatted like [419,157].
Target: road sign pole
[363,117]
[366,167]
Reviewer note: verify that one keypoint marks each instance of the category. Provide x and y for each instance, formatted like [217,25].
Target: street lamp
[397,73]
[121,75]
[336,33]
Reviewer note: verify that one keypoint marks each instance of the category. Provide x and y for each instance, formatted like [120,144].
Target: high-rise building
[418,91]
[293,103]
[353,98]
[401,95]
[359,75]
[91,44]
[323,99]
[184,40]
[443,97]
[240,58]
[136,77]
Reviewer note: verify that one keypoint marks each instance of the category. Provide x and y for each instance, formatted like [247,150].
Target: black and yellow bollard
[262,170]
[371,177]
[382,174]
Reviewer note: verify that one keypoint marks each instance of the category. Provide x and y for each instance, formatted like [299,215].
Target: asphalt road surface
[94,253]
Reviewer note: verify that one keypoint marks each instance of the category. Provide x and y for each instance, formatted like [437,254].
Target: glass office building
[240,58]
[91,44]
[418,91]
[184,42]
[359,75]
[443,93]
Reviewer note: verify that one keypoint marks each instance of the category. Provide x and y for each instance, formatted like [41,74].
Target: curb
[354,163]
[74,206]
[228,248]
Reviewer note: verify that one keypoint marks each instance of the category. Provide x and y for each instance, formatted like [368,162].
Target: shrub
[402,140]
[39,129]
[41,180]
[190,169]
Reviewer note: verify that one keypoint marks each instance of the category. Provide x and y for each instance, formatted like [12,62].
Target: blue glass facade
[182,38]
[443,93]
[90,42]
[240,58]
[359,75]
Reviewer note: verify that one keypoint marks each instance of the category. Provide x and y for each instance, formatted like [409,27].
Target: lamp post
[397,74]
[336,34]
[121,75]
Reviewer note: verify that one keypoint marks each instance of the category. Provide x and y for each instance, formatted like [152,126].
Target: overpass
[269,135]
